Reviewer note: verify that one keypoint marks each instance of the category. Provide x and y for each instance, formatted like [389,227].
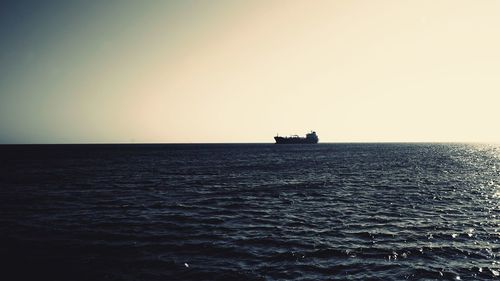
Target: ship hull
[284,140]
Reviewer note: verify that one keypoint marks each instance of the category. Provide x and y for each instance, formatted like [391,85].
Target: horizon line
[215,143]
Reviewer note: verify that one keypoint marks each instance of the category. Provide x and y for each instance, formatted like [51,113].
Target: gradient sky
[242,71]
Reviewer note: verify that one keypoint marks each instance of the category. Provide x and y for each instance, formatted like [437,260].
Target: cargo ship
[310,138]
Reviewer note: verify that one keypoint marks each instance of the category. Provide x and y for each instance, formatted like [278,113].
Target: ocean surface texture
[250,212]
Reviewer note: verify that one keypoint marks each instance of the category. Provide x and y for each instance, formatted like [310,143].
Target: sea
[363,211]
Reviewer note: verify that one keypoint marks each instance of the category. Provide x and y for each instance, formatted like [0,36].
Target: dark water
[250,212]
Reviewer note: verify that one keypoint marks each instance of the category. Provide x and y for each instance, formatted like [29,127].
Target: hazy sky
[242,71]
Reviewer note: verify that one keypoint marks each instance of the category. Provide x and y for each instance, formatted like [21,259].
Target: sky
[244,71]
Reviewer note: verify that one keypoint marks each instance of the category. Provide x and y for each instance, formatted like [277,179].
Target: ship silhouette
[295,139]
